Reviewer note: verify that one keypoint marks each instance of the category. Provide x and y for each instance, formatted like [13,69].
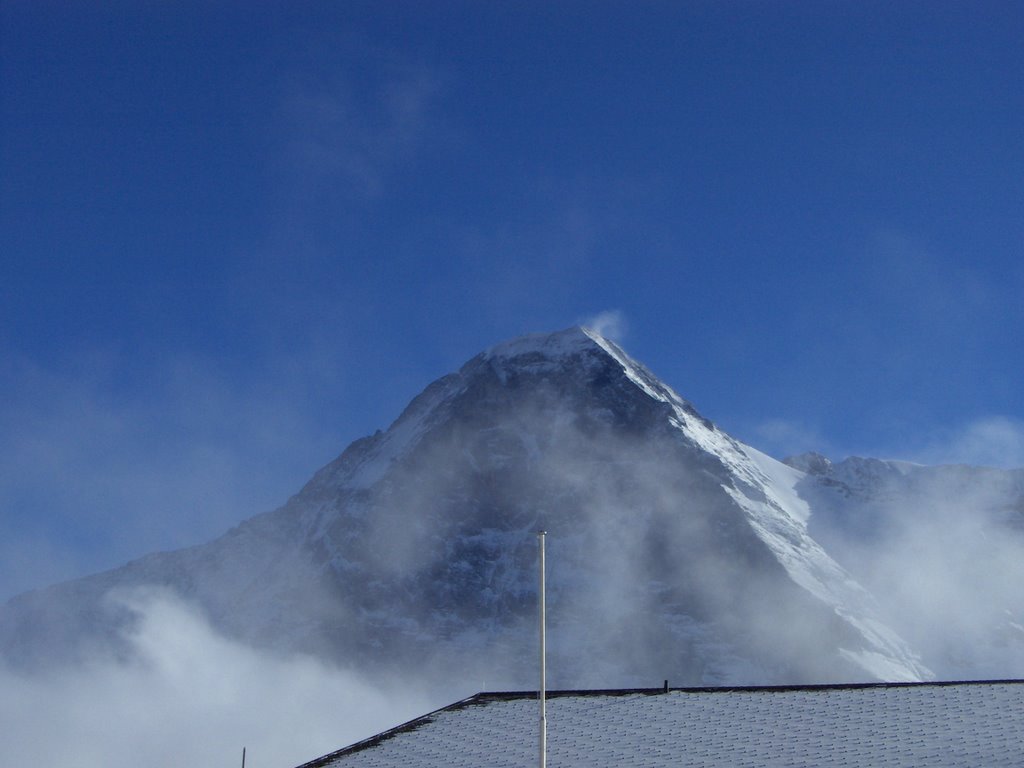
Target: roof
[870,725]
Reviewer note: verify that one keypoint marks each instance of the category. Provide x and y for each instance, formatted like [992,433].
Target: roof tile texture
[967,724]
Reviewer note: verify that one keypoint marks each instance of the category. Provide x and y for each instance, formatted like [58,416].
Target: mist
[942,550]
[187,695]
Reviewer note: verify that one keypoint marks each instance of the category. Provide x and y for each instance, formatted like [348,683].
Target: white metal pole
[543,660]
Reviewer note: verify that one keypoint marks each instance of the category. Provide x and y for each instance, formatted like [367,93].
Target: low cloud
[942,549]
[190,696]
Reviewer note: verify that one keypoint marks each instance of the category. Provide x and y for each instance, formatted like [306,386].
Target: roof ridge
[506,695]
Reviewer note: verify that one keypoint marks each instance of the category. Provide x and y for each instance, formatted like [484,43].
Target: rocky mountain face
[674,551]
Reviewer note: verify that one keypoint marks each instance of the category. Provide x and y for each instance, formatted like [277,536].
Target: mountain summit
[675,551]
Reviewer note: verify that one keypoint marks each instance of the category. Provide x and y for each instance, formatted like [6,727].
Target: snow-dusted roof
[871,725]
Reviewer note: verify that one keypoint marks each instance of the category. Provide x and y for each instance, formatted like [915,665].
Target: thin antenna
[243,757]
[543,659]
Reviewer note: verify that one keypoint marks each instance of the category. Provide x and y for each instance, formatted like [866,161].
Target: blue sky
[237,236]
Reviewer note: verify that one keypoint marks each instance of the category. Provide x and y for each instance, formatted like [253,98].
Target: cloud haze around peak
[190,696]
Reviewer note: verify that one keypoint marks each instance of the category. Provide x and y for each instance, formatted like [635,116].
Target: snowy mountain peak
[811,462]
[547,428]
[675,549]
[551,346]
[588,352]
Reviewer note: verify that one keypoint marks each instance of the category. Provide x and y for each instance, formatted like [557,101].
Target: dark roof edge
[373,741]
[485,697]
[505,695]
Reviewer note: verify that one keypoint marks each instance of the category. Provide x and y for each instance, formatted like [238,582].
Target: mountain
[674,550]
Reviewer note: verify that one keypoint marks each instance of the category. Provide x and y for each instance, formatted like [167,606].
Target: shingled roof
[870,725]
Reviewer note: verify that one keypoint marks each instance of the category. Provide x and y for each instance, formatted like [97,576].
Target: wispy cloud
[787,437]
[348,137]
[611,324]
[994,441]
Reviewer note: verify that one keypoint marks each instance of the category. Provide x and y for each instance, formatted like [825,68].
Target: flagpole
[543,658]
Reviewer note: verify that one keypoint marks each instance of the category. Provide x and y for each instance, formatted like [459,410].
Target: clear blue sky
[236,236]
